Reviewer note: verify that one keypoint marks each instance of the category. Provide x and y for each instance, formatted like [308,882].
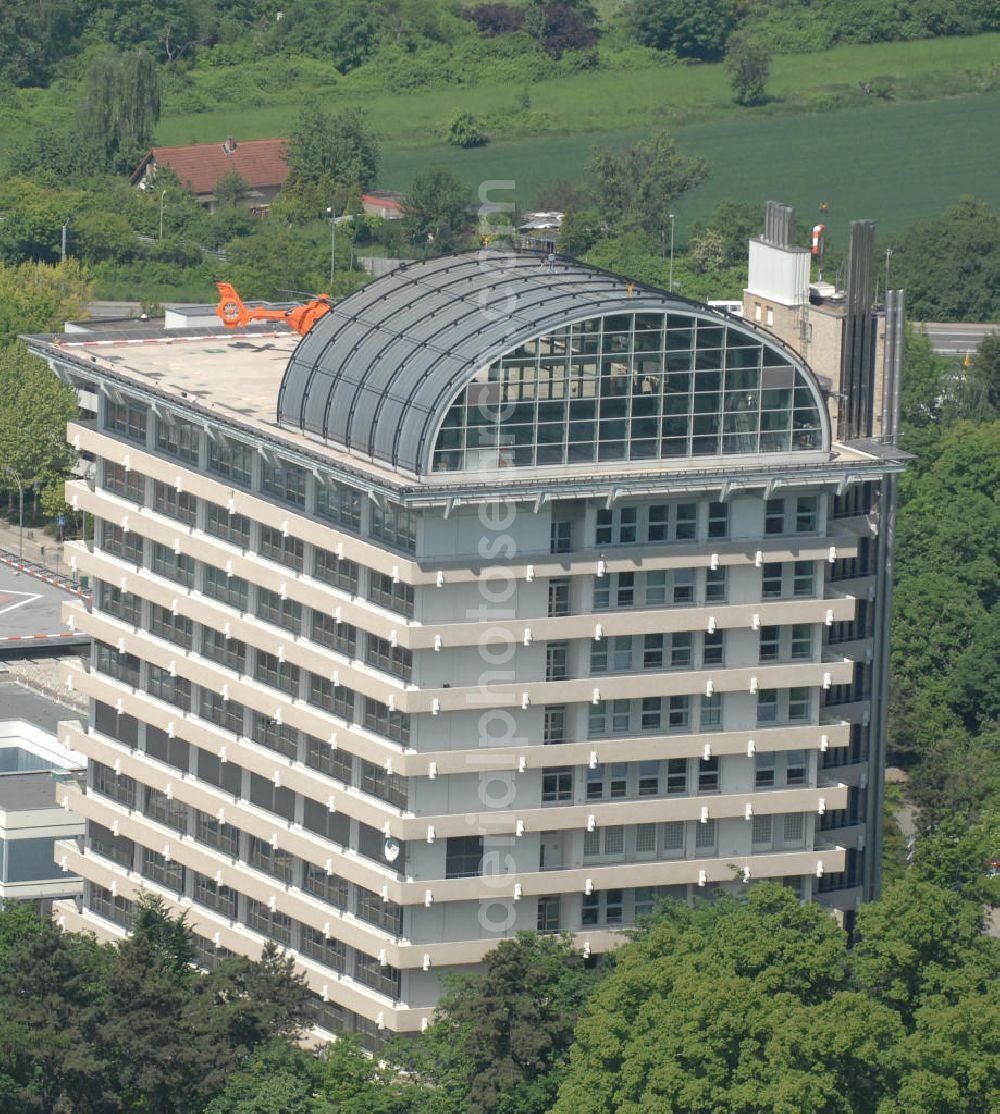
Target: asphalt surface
[18,702]
[955,339]
[30,612]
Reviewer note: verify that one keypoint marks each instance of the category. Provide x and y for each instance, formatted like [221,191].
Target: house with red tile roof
[259,162]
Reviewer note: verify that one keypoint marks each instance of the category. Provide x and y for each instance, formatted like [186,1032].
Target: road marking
[30,597]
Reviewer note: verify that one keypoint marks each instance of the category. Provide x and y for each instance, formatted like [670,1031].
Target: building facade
[514,596]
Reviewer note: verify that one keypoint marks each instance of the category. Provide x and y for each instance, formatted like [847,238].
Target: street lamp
[20,516]
[334,221]
[671,277]
[163,197]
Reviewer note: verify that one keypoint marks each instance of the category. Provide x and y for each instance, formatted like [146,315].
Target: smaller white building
[31,761]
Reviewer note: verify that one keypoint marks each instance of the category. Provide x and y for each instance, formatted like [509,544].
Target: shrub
[466,130]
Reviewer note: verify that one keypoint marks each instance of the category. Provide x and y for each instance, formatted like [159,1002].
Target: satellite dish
[391,850]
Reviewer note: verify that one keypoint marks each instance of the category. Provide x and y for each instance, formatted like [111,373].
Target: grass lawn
[894,163]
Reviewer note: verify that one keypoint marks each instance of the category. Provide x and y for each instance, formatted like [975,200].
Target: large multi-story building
[513,596]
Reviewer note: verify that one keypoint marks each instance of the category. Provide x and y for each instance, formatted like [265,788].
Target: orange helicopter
[235,314]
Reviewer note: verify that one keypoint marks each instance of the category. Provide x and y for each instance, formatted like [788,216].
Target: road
[954,338]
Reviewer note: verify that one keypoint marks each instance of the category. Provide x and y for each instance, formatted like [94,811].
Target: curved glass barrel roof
[480,362]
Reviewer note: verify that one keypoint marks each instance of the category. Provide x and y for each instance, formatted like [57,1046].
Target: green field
[820,138]
[894,163]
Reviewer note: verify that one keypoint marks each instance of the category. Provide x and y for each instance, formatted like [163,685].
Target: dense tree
[34,36]
[436,211]
[339,145]
[636,188]
[950,266]
[690,28]
[748,64]
[345,33]
[230,189]
[120,107]
[500,1039]
[279,259]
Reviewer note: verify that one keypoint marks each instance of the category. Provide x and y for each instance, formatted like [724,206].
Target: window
[231,590]
[770,643]
[123,605]
[340,504]
[158,869]
[232,459]
[713,649]
[557,784]
[387,787]
[548,913]
[798,705]
[559,596]
[614,840]
[770,580]
[679,712]
[174,628]
[607,781]
[680,650]
[121,543]
[611,655]
[767,706]
[370,908]
[608,717]
[716,584]
[604,841]
[393,596]
[230,652]
[123,667]
[213,833]
[761,831]
[801,642]
[177,567]
[336,571]
[649,778]
[672,522]
[179,505]
[324,949]
[774,516]
[764,770]
[281,548]
[284,480]
[232,528]
[178,438]
[718,520]
[227,714]
[282,612]
[381,654]
[262,856]
[275,926]
[395,526]
[795,767]
[332,761]
[127,418]
[711,711]
[338,699]
[102,841]
[669,586]
[166,810]
[278,737]
[708,775]
[330,888]
[645,839]
[617,526]
[556,661]
[645,900]
[602,907]
[677,776]
[802,581]
[174,690]
[119,787]
[281,675]
[393,725]
[651,713]
[555,724]
[652,651]
[382,978]
[794,828]
[807,514]
[463,856]
[341,637]
[561,537]
[129,485]
[704,835]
